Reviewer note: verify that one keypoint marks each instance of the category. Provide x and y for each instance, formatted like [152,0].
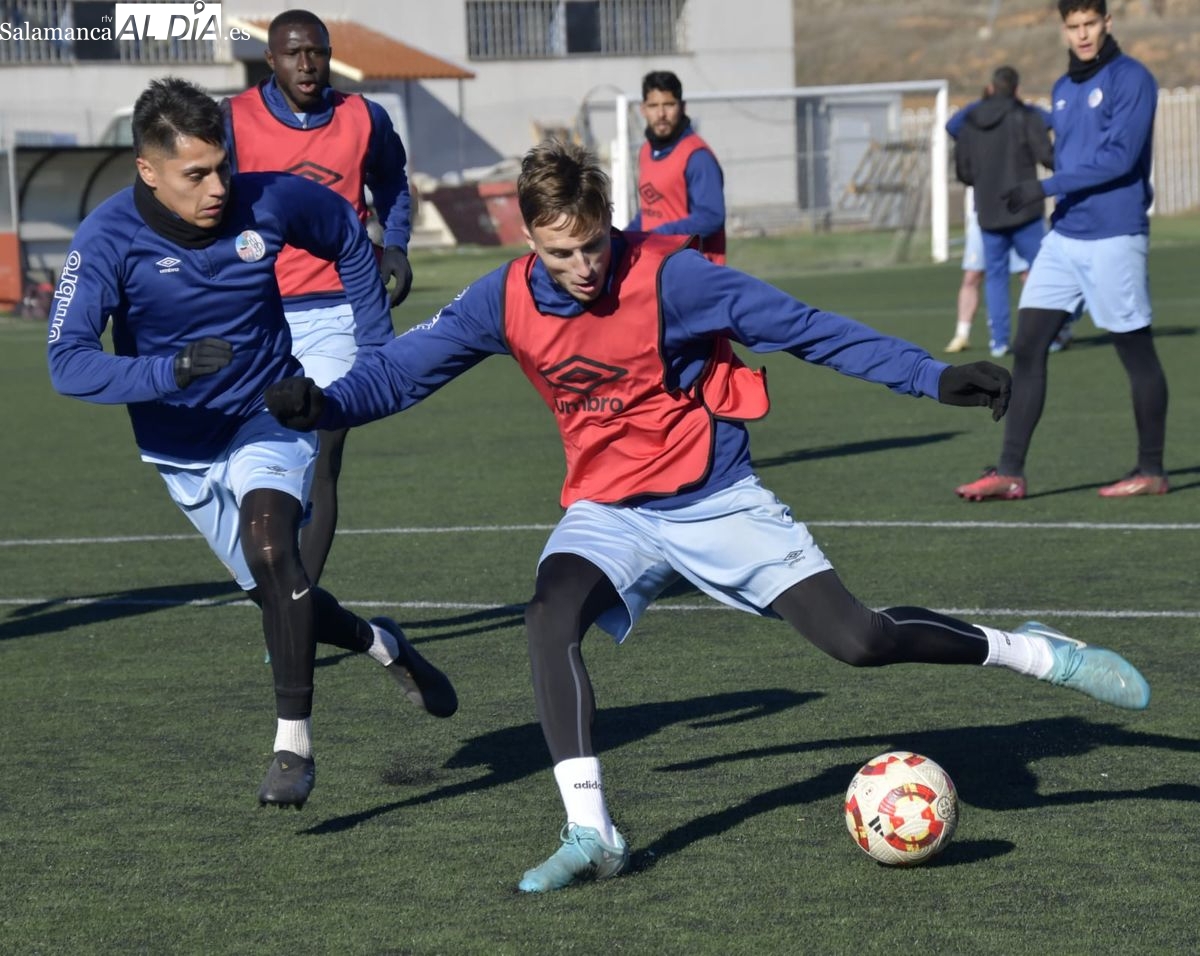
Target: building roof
[361,53]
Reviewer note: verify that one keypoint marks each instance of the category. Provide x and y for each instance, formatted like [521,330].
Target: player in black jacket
[1001,144]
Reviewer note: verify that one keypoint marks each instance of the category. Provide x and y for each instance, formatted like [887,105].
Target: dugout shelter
[49,190]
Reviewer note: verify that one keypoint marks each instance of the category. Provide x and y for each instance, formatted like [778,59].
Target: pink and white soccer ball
[901,808]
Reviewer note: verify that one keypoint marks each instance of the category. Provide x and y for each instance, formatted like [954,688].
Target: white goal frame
[624,162]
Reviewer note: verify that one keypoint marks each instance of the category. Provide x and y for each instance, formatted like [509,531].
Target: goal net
[831,158]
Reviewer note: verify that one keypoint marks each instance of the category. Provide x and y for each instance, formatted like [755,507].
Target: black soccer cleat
[289,780]
[423,684]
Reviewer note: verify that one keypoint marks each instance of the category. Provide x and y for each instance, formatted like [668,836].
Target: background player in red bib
[680,184]
[295,122]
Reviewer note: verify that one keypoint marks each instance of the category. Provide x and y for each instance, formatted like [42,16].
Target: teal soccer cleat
[1099,673]
[582,856]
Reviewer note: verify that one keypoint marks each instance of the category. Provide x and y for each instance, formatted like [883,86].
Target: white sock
[962,330]
[1023,653]
[384,647]
[582,791]
[294,735]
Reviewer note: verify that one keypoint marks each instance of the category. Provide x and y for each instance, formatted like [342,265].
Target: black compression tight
[316,538]
[1148,389]
[836,622]
[1036,329]
[293,613]
[571,593]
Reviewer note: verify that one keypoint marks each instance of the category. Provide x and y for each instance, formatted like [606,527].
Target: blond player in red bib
[627,338]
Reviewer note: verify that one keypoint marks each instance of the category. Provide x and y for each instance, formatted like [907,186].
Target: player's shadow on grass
[48,617]
[845,449]
[88,610]
[513,753]
[990,766]
[1176,476]
[477,622]
[1104,338]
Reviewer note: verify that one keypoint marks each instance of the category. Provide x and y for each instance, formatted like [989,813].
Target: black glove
[202,357]
[1024,194]
[296,403]
[980,383]
[394,265]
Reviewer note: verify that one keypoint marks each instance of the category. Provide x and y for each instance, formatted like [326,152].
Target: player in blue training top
[184,264]
[627,338]
[294,121]
[1102,113]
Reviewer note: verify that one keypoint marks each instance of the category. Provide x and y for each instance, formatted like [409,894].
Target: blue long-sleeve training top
[1103,137]
[700,301]
[161,296]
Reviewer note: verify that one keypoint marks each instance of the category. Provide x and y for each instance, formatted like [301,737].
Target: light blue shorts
[740,546]
[323,340]
[1109,275]
[263,454]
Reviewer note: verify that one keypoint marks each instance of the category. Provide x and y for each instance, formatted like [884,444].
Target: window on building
[545,29]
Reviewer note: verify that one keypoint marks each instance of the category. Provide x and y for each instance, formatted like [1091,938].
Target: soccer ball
[901,808]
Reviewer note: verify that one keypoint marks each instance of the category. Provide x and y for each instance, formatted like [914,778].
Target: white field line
[45,603]
[669,607]
[509,528]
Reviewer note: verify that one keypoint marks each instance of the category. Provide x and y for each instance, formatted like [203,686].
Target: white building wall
[79,99]
[730,45]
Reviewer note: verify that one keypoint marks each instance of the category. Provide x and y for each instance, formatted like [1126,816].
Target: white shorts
[263,454]
[740,546]
[323,340]
[1109,275]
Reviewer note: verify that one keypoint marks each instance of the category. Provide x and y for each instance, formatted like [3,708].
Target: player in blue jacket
[1095,253]
[183,264]
[627,338]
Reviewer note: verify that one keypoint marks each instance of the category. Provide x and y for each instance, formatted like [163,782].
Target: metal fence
[1177,151]
[852,158]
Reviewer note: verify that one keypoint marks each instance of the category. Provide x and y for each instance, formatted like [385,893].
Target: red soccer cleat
[992,486]
[1136,483]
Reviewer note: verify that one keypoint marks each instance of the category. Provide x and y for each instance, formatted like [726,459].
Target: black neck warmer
[168,225]
[662,142]
[1080,72]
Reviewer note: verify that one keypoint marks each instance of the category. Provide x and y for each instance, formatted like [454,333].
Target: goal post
[819,157]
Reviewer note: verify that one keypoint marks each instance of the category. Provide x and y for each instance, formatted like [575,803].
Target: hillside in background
[863,41]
